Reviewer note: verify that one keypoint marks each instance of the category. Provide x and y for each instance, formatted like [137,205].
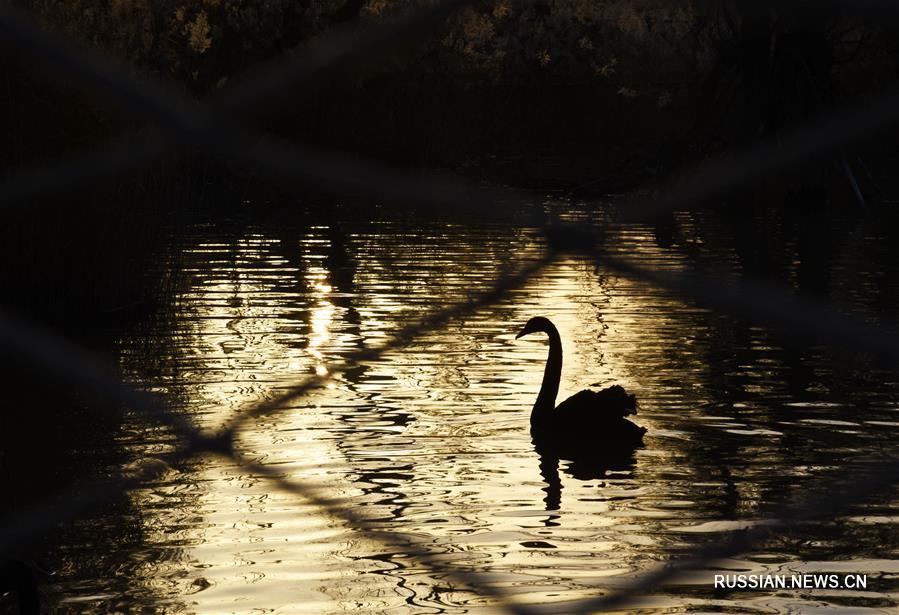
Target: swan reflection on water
[589,429]
[584,468]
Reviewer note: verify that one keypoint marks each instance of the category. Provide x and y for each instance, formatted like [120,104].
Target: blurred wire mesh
[215,130]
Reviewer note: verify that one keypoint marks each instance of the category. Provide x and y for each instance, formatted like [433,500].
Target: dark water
[433,440]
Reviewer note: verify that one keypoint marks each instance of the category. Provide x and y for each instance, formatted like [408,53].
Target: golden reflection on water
[432,440]
[323,309]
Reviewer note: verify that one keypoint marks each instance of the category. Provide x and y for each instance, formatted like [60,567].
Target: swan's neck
[546,400]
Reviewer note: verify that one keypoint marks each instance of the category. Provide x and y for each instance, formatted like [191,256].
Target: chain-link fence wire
[214,129]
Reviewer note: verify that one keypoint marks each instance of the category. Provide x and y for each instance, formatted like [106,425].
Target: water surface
[432,440]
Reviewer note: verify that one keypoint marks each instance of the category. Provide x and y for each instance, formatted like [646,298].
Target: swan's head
[535,325]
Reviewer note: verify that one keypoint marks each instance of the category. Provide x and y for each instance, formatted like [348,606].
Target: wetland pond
[432,439]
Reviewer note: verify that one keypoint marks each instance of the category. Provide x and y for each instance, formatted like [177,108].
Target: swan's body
[589,418]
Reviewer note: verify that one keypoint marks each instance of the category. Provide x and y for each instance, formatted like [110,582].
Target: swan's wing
[611,403]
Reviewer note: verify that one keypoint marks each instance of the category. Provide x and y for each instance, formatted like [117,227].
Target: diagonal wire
[142,97]
[265,89]
[293,162]
[803,142]
[760,301]
[259,89]
[805,317]
[810,318]
[21,528]
[400,338]
[71,363]
[835,496]
[828,133]
[22,339]
[47,178]
[187,121]
[831,131]
[72,504]
[424,554]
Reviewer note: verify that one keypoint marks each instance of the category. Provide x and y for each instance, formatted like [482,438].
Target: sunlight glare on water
[433,440]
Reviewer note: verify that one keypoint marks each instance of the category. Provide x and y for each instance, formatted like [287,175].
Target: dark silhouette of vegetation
[585,95]
[600,89]
[590,96]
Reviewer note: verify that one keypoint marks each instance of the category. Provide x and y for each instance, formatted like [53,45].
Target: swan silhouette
[590,422]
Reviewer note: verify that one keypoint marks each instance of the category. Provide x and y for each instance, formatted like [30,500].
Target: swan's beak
[522,333]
